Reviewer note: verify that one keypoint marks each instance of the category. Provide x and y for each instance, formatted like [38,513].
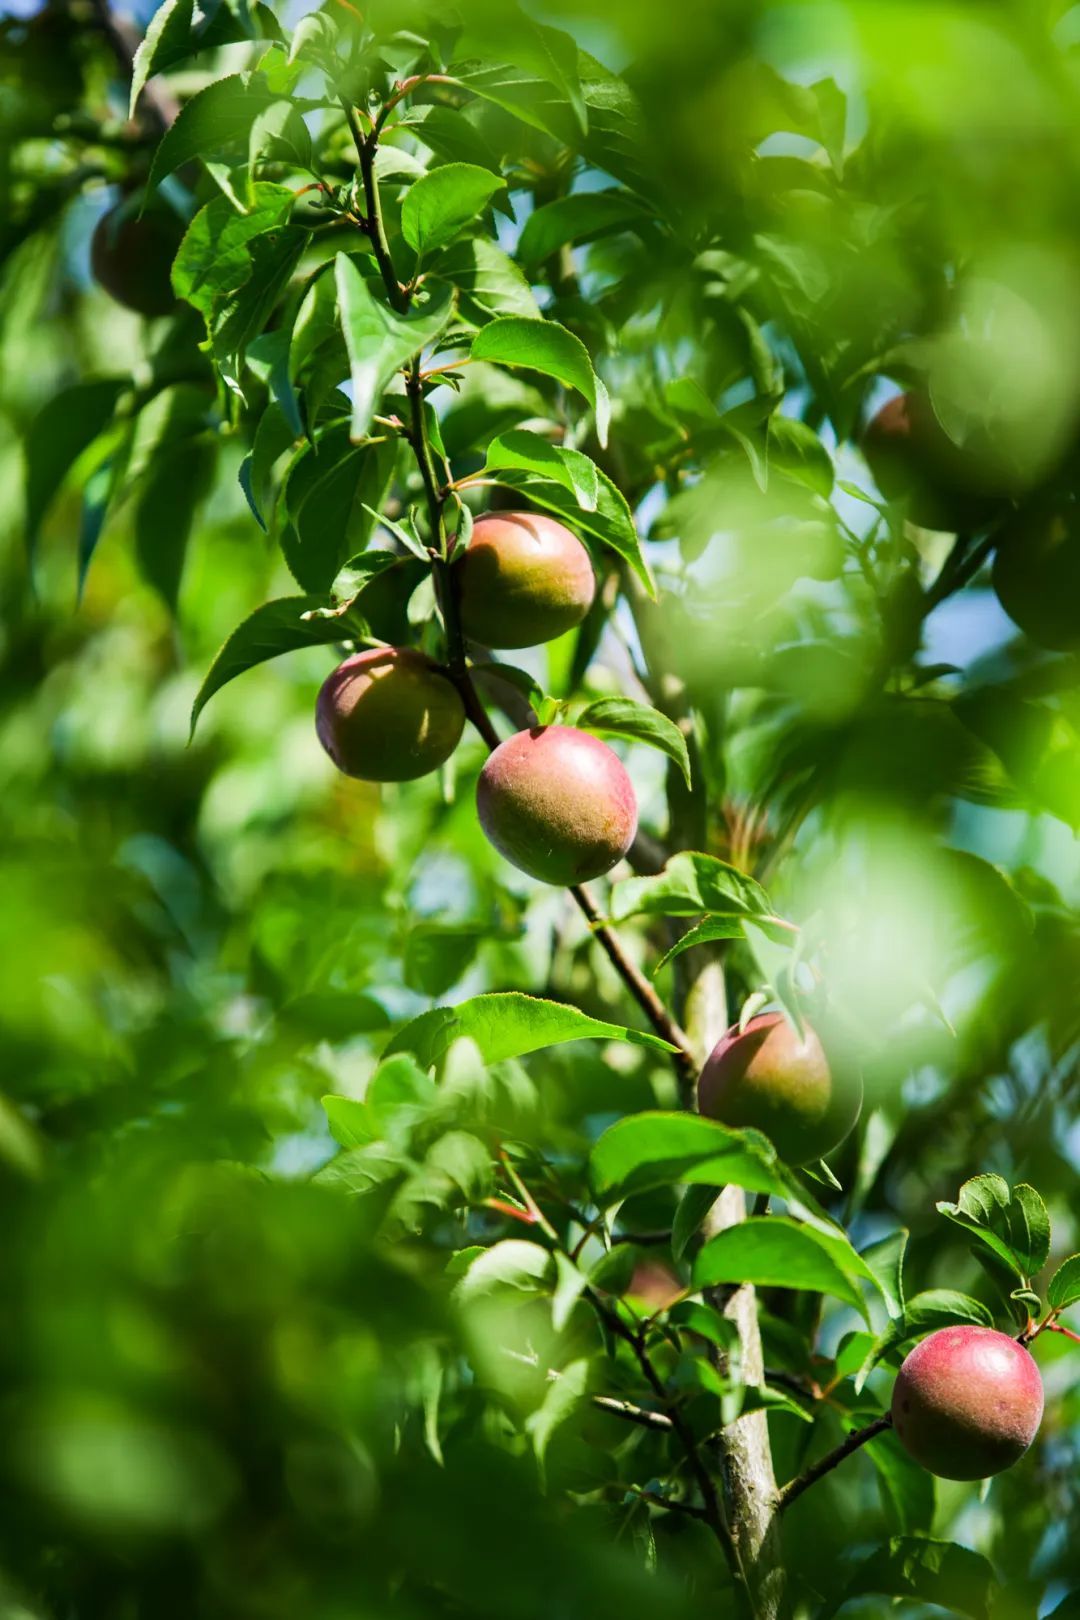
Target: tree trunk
[748,1484]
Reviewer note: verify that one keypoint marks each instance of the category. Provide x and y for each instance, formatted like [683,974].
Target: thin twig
[795,1487]
[654,1499]
[713,1514]
[635,981]
[640,1415]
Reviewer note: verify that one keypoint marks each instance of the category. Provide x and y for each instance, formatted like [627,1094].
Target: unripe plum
[388,715]
[912,458]
[770,1078]
[131,257]
[967,1402]
[557,803]
[523,579]
[1036,574]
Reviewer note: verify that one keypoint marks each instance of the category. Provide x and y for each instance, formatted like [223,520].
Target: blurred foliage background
[225,1388]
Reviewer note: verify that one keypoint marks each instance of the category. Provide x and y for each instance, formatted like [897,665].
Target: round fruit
[131,256]
[913,459]
[558,804]
[388,715]
[1036,574]
[967,1402]
[770,1078]
[523,579]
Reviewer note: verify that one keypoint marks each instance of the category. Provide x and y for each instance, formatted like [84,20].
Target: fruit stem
[802,1482]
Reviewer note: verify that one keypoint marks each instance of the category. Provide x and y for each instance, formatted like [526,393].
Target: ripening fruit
[783,1085]
[558,804]
[1037,574]
[523,579]
[913,459]
[967,1402]
[388,715]
[131,256]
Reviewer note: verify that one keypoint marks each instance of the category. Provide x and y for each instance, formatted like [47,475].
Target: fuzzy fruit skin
[388,715]
[1036,574]
[131,257]
[770,1079]
[967,1402]
[523,579]
[912,458]
[558,804]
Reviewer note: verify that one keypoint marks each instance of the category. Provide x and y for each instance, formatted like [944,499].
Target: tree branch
[457,665]
[640,1415]
[795,1487]
[712,1512]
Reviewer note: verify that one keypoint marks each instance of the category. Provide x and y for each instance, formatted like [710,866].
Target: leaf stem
[802,1482]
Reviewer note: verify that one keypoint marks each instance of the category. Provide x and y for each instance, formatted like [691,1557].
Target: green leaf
[513,1264]
[565,1394]
[330,494]
[464,1158]
[886,1260]
[167,40]
[983,1197]
[351,1124]
[278,134]
[542,85]
[215,120]
[625,717]
[547,347]
[704,933]
[656,1149]
[570,468]
[438,955]
[690,884]
[907,1491]
[444,202]
[58,435]
[694,1205]
[170,494]
[983,1209]
[939,1572]
[1064,1289]
[378,341]
[579,218]
[776,1252]
[508,1025]
[275,628]
[796,451]
[1029,1228]
[569,1287]
[488,279]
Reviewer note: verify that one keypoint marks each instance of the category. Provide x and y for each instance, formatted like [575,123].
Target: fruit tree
[541,772]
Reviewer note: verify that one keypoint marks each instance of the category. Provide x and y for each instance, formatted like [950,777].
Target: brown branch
[636,982]
[795,1487]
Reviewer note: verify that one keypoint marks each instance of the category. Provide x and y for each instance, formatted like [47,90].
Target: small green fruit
[522,580]
[388,715]
[769,1078]
[1036,574]
[967,1402]
[131,256]
[558,804]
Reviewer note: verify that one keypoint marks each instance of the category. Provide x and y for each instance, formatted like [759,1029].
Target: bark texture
[743,1451]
